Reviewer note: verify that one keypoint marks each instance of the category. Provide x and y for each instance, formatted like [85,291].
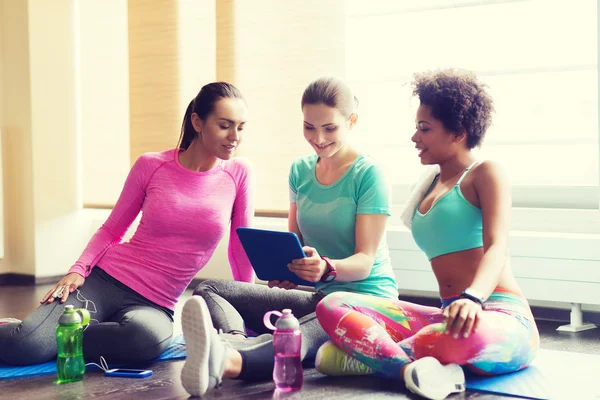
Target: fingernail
[446,332]
[455,336]
[466,335]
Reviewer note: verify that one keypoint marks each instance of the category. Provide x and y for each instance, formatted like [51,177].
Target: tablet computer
[270,252]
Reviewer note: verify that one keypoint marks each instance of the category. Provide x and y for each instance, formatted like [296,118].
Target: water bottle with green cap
[70,365]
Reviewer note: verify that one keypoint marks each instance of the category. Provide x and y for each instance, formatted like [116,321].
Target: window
[539,59]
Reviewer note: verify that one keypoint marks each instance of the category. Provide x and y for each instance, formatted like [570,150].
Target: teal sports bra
[452,224]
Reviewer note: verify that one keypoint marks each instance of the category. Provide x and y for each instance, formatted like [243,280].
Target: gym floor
[18,301]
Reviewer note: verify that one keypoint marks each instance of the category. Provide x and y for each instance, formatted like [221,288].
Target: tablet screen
[270,252]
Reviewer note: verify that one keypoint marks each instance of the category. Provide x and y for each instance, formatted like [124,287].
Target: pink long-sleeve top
[185,215]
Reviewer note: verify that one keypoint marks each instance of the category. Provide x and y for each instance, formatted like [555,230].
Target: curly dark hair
[458,99]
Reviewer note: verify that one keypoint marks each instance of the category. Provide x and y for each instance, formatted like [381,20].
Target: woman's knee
[149,328]
[155,344]
[19,349]
[432,341]
[208,286]
[507,350]
[141,337]
[329,304]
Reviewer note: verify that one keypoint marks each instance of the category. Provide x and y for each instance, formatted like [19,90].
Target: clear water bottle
[70,366]
[287,342]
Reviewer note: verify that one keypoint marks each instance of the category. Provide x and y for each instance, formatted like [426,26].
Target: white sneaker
[206,351]
[241,342]
[427,377]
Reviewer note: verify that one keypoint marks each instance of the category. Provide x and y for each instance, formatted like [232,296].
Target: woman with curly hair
[461,221]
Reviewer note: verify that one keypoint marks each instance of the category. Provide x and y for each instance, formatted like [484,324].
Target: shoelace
[352,364]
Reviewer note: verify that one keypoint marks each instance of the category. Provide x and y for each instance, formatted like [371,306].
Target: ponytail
[188,133]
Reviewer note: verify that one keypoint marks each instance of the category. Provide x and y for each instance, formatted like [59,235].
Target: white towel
[417,192]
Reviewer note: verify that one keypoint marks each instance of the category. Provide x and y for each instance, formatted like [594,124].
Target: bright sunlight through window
[539,58]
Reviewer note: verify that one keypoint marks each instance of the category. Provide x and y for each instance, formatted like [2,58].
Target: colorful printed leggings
[387,334]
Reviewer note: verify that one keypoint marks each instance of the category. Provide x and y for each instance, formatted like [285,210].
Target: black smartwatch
[472,295]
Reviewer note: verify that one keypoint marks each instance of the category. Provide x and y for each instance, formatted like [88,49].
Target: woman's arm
[372,212]
[242,216]
[370,229]
[494,192]
[126,209]
[293,222]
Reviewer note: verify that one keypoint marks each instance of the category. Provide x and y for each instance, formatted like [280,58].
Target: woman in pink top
[188,197]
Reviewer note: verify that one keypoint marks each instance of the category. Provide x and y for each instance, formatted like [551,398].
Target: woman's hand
[310,268]
[462,317]
[64,288]
[283,285]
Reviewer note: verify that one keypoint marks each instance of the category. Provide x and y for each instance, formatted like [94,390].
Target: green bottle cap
[73,315]
[85,316]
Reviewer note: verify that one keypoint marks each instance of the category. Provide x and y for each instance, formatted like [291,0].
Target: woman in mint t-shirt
[339,206]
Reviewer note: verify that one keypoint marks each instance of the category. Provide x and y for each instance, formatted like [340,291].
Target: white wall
[1,121]
[197,44]
[57,212]
[45,227]
[39,142]
[102,89]
[17,139]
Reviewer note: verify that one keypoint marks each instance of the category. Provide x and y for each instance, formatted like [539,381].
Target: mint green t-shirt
[326,216]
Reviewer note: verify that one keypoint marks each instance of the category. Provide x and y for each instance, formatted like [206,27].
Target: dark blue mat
[553,375]
[175,351]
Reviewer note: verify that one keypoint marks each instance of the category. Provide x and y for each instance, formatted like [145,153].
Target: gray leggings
[128,328]
[235,306]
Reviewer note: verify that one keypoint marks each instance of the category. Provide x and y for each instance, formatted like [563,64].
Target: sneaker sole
[448,379]
[195,321]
